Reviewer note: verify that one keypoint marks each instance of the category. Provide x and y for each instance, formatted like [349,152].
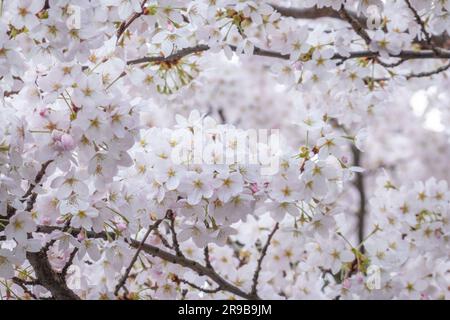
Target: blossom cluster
[131,164]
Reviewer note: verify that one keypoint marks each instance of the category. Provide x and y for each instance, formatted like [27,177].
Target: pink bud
[360,278]
[344,159]
[60,220]
[67,142]
[81,236]
[298,65]
[346,284]
[254,187]
[46,221]
[121,226]
[43,113]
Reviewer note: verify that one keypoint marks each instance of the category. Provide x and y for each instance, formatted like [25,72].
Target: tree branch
[429,73]
[175,244]
[69,262]
[195,266]
[261,259]
[124,278]
[38,179]
[45,274]
[48,278]
[23,284]
[405,55]
[422,26]
[356,26]
[167,256]
[193,285]
[315,13]
[125,24]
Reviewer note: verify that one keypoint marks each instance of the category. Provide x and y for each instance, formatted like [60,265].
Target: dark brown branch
[124,278]
[206,255]
[174,57]
[405,55]
[442,41]
[193,285]
[45,274]
[261,259]
[422,26]
[167,256]
[413,75]
[69,262]
[429,73]
[315,13]
[356,26]
[38,179]
[23,284]
[175,244]
[48,278]
[197,267]
[164,241]
[124,25]
[74,232]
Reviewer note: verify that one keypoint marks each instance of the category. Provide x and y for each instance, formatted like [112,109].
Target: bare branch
[207,260]
[124,278]
[315,13]
[45,274]
[23,284]
[422,25]
[174,57]
[69,262]
[413,75]
[405,55]
[193,285]
[124,25]
[167,256]
[175,244]
[200,269]
[429,73]
[38,179]
[356,26]
[261,259]
[164,241]
[48,278]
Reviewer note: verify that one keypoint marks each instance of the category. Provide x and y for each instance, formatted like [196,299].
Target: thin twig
[175,243]
[69,262]
[126,24]
[207,259]
[37,179]
[418,75]
[167,256]
[124,278]
[357,27]
[429,73]
[164,241]
[23,284]
[261,259]
[43,270]
[193,285]
[421,23]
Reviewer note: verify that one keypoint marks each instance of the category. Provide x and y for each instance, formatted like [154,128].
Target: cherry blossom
[224,149]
